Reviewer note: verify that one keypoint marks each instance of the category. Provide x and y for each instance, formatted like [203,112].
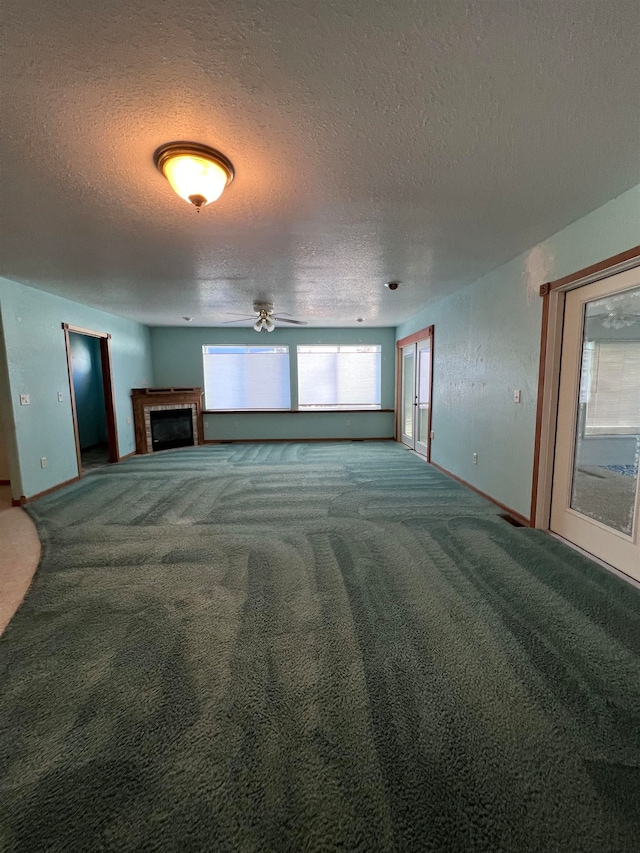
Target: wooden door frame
[553,294]
[107,387]
[415,338]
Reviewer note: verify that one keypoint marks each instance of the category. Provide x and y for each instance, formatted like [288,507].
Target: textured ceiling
[422,141]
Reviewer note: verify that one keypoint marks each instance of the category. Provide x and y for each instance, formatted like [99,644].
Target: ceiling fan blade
[241,320]
[295,322]
[235,314]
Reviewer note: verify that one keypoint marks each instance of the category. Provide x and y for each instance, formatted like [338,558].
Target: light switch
[516,396]
[25,400]
[60,396]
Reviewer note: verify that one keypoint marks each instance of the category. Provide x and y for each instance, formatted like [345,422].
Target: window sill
[292,411]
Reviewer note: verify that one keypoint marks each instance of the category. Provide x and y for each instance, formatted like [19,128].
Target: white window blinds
[611,380]
[339,377]
[252,378]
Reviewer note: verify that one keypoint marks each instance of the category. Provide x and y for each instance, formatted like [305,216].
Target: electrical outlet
[348,422]
[516,396]
[25,400]
[475,458]
[60,396]
[128,420]
[432,434]
[43,461]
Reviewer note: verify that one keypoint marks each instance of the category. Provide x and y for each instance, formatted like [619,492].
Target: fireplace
[171,428]
[166,418]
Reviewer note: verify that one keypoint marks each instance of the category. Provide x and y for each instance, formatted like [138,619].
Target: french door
[415,402]
[595,497]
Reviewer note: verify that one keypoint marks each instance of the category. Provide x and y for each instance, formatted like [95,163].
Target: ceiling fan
[265,318]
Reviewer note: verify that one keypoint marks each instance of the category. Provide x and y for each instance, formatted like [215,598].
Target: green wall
[487,339]
[35,363]
[177,360]
[487,345]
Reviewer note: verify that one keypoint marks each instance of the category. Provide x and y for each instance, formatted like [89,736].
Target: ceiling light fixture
[618,321]
[264,323]
[196,172]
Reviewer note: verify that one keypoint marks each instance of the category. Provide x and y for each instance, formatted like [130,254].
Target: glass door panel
[607,436]
[423,385]
[408,394]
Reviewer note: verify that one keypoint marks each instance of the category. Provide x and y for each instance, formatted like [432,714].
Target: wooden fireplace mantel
[145,400]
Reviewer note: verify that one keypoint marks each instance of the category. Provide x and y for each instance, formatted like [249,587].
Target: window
[339,377]
[611,387]
[246,378]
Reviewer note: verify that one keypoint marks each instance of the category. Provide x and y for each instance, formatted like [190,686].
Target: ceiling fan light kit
[197,173]
[264,324]
[618,321]
[266,319]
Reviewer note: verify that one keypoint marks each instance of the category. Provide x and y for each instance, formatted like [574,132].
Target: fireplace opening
[171,428]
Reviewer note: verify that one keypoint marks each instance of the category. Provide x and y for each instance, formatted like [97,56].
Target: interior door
[595,497]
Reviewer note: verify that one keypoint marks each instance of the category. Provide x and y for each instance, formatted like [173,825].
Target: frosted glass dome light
[197,173]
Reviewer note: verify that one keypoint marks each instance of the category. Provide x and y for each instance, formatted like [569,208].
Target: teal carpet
[313,647]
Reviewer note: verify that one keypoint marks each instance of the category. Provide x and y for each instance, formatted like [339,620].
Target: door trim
[553,294]
[414,338]
[603,269]
[107,386]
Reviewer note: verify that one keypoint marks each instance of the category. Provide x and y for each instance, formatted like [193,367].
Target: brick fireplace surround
[147,400]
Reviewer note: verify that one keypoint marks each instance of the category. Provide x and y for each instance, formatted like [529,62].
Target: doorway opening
[8,447]
[414,391]
[586,480]
[92,401]
[5,476]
